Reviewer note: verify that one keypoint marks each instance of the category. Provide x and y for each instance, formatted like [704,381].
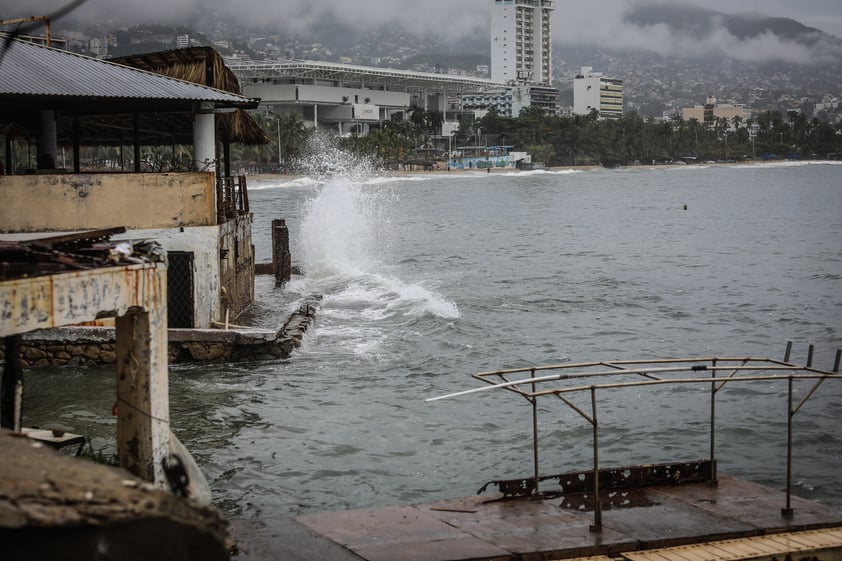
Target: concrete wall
[67,202]
[236,268]
[204,243]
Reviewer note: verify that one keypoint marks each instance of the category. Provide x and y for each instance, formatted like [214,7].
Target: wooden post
[143,393]
[12,376]
[281,257]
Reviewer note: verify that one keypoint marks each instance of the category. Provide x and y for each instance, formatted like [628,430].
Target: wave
[788,164]
[342,236]
[301,181]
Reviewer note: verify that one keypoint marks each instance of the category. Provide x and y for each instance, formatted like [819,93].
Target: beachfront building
[713,111]
[594,91]
[521,41]
[348,98]
[509,101]
[94,145]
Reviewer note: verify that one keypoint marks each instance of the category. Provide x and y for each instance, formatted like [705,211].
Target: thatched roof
[202,65]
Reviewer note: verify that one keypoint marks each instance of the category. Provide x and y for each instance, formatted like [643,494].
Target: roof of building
[27,69]
[203,66]
[349,75]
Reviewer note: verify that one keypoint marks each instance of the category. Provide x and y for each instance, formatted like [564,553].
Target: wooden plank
[747,548]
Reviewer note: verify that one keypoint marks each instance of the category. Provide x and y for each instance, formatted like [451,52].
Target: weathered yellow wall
[236,269]
[44,203]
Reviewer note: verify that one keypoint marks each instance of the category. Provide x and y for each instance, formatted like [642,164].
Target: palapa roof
[205,66]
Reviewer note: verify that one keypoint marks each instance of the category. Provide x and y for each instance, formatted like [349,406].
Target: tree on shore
[583,139]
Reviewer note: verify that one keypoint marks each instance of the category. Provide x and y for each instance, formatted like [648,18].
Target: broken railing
[232,197]
[590,377]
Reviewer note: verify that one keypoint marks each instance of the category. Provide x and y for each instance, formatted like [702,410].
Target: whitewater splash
[345,250]
[344,246]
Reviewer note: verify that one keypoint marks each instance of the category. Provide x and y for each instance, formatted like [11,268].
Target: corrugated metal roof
[29,69]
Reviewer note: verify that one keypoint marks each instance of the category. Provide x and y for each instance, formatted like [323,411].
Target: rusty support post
[10,416]
[281,257]
[143,393]
[535,434]
[597,504]
[714,477]
[787,511]
[788,351]
[136,141]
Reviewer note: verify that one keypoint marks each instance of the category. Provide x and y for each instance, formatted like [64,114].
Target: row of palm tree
[288,135]
[586,139]
[579,139]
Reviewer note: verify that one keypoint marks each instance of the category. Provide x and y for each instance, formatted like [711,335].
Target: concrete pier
[523,529]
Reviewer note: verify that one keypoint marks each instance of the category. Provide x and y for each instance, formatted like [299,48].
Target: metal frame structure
[587,377]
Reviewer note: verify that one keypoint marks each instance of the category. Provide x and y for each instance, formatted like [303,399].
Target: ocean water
[427,279]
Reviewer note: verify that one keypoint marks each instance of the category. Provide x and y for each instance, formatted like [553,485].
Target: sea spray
[345,250]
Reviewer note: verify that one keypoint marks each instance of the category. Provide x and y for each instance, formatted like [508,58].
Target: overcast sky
[577,22]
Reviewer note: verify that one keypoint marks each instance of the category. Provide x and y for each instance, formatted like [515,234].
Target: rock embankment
[91,346]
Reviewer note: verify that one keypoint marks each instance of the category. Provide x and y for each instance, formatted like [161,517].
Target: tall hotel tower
[521,41]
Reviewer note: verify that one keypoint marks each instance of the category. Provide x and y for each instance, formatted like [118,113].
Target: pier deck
[481,527]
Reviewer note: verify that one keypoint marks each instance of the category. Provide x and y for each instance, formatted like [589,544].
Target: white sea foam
[281,183]
[343,237]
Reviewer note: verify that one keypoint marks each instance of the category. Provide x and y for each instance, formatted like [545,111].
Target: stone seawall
[92,346]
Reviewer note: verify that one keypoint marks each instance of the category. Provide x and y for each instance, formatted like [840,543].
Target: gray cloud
[599,23]
[606,25]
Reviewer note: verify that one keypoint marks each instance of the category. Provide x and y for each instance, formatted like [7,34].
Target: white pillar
[47,141]
[316,116]
[204,138]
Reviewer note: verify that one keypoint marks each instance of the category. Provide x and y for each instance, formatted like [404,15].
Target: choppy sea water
[427,279]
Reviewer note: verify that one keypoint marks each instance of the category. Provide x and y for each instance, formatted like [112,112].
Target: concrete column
[204,139]
[143,393]
[315,116]
[48,140]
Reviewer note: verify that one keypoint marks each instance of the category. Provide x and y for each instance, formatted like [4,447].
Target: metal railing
[588,377]
[232,198]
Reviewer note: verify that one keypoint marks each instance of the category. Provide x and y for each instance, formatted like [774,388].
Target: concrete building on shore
[594,91]
[521,41]
[712,111]
[188,202]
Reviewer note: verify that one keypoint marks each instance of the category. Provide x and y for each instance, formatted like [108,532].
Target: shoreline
[553,169]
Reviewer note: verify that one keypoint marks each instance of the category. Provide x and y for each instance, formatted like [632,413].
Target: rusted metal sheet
[67,298]
[610,479]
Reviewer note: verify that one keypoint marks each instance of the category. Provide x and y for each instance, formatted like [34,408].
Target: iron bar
[713,390]
[620,385]
[535,438]
[787,511]
[597,504]
[557,377]
[788,351]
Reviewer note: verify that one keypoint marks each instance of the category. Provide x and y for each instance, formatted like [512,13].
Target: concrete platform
[484,527]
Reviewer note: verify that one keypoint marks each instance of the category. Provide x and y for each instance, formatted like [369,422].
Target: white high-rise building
[593,91]
[521,41]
